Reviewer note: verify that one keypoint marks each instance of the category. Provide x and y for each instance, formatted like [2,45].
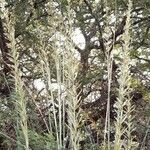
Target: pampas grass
[56,53]
[124,119]
[20,101]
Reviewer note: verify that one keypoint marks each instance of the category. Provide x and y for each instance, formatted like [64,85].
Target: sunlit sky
[78,39]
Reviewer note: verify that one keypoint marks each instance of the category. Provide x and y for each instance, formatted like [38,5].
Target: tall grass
[124,109]
[45,66]
[20,101]
[73,99]
[64,123]
[109,56]
[67,116]
[73,109]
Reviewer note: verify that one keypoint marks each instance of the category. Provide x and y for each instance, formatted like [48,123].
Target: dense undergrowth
[56,95]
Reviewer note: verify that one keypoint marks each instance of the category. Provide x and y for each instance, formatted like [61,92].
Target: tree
[85,78]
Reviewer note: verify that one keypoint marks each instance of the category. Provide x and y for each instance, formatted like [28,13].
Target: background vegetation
[86,91]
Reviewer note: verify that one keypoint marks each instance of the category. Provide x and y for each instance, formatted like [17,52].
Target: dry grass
[66,68]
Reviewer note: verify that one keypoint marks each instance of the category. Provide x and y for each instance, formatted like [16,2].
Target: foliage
[60,91]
